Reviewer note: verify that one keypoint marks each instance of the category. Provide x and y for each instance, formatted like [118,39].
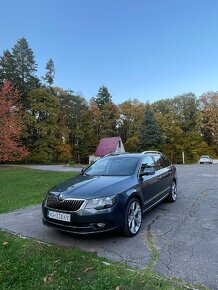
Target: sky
[144,49]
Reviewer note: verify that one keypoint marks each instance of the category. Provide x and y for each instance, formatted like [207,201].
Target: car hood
[84,186]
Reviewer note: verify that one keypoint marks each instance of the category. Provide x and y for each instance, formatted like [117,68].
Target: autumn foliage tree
[57,125]
[131,115]
[11,125]
[209,118]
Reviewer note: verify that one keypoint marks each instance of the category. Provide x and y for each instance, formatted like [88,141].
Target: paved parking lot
[179,239]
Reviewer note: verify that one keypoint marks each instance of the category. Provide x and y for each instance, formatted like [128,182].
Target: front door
[148,183]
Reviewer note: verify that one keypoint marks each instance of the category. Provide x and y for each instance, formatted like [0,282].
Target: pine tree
[108,113]
[150,135]
[50,72]
[26,66]
[103,97]
[8,68]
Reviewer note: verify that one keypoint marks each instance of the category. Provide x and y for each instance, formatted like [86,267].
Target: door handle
[159,177]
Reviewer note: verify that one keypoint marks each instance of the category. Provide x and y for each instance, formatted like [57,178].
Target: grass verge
[23,187]
[27,264]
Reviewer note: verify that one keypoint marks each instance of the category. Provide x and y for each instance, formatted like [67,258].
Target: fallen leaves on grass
[88,269]
[49,278]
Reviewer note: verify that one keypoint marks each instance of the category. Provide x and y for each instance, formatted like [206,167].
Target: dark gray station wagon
[111,194]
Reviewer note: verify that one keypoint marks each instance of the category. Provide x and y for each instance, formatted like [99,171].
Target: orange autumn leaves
[11,125]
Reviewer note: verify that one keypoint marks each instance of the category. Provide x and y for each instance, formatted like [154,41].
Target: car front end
[83,216]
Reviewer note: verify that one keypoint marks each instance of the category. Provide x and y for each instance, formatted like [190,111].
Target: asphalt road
[179,239]
[61,168]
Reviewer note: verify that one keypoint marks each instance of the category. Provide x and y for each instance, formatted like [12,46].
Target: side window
[166,161]
[147,162]
[159,163]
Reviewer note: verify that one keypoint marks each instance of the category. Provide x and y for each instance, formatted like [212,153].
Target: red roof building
[109,145]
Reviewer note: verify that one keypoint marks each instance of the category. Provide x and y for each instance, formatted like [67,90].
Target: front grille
[66,205]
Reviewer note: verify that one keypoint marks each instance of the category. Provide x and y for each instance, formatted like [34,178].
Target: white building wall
[120,149]
[92,158]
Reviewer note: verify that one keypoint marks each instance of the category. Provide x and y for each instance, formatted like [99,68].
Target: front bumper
[86,221]
[83,229]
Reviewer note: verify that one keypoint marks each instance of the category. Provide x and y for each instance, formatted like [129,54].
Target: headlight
[101,203]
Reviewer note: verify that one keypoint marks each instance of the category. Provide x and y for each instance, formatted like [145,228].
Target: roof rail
[150,152]
[115,153]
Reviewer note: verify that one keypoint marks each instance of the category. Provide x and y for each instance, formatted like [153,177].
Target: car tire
[173,192]
[133,218]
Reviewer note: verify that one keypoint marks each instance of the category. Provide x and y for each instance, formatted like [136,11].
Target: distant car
[111,194]
[205,159]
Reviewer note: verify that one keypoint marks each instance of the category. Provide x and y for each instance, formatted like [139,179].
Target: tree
[209,118]
[8,68]
[186,109]
[95,120]
[50,72]
[172,136]
[26,67]
[131,144]
[131,114]
[107,113]
[11,125]
[150,135]
[85,137]
[179,121]
[75,123]
[108,120]
[41,121]
[103,97]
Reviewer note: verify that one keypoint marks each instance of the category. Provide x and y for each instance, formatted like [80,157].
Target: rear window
[159,163]
[166,161]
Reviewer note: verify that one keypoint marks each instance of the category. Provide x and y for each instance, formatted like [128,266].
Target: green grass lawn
[28,264]
[22,187]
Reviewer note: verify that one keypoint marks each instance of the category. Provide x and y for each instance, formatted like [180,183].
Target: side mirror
[82,171]
[147,171]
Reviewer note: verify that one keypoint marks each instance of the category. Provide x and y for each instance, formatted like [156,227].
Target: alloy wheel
[174,191]
[134,217]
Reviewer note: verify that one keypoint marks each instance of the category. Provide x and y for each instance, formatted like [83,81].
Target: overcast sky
[144,49]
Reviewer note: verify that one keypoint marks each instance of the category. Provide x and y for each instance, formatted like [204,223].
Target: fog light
[101,225]
[98,226]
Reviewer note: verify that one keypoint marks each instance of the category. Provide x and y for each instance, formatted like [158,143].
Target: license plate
[59,216]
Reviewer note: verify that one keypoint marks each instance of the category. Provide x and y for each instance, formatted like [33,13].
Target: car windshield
[113,166]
